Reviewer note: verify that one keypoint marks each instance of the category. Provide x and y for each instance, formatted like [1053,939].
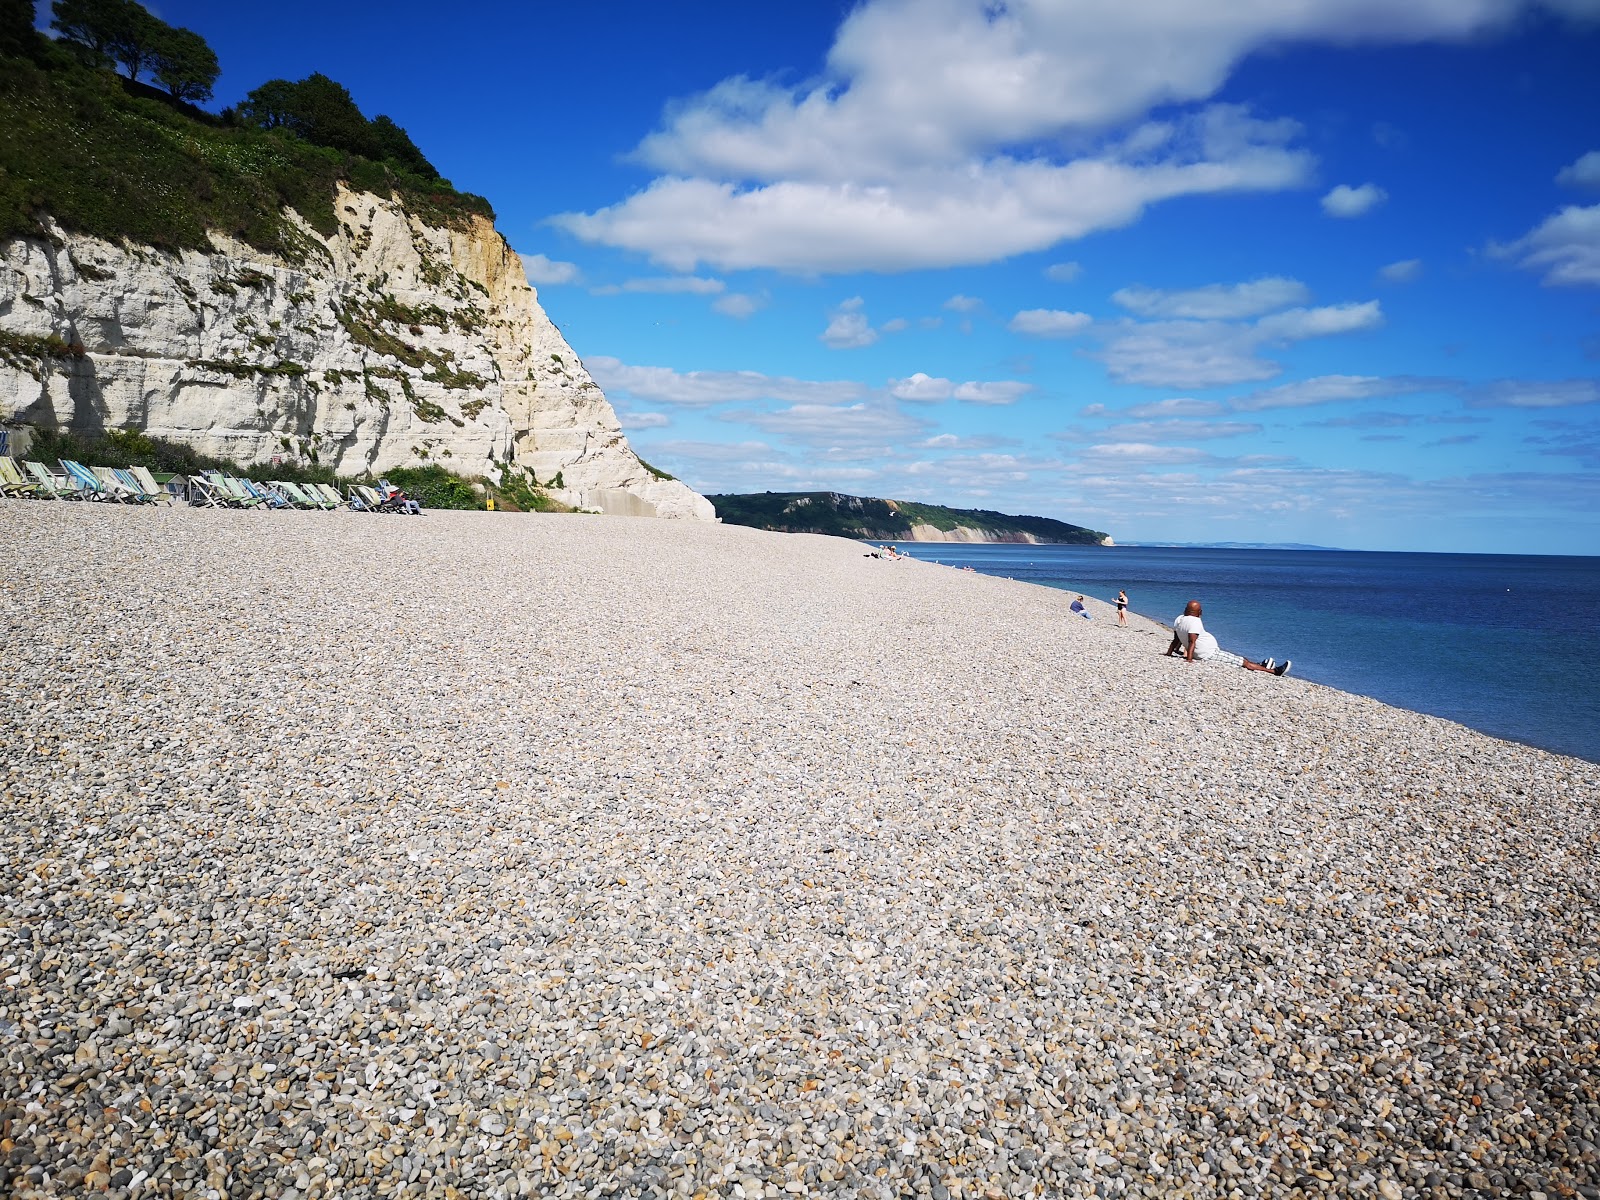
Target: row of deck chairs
[210,489]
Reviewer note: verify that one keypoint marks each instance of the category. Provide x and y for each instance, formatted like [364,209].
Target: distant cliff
[864,517]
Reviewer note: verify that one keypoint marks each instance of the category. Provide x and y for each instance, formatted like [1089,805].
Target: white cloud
[865,429]
[1050,323]
[848,327]
[1566,247]
[963,304]
[1177,430]
[1142,452]
[1216,301]
[1347,201]
[1329,389]
[952,441]
[1585,172]
[1063,272]
[1404,271]
[633,421]
[1178,406]
[1005,391]
[933,134]
[1196,354]
[693,389]
[739,305]
[921,388]
[1299,323]
[944,214]
[895,325]
[666,285]
[543,271]
[1534,393]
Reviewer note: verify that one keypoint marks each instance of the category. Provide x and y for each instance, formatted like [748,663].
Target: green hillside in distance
[863,517]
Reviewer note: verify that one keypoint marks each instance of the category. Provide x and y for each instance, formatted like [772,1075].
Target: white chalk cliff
[390,343]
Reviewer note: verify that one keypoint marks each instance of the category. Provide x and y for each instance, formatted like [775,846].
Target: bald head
[1192,609]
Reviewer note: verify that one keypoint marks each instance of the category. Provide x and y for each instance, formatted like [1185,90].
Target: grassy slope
[75,145]
[864,517]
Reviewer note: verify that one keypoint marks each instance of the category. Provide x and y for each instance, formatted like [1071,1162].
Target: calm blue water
[1500,642]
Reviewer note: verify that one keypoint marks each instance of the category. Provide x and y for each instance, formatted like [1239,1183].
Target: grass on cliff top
[434,486]
[874,519]
[76,145]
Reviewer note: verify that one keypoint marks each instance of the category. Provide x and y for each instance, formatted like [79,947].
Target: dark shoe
[1282,668]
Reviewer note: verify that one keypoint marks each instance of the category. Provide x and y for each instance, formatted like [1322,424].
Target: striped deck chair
[231,491]
[296,495]
[263,493]
[131,481]
[13,483]
[117,489]
[147,482]
[207,493]
[87,482]
[57,487]
[328,492]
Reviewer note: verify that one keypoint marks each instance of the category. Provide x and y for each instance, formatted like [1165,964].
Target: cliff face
[390,343]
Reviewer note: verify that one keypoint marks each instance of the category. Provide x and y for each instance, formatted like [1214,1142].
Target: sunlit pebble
[359,856]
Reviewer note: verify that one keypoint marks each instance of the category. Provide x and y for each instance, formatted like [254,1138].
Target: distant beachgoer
[1122,608]
[1077,607]
[1190,639]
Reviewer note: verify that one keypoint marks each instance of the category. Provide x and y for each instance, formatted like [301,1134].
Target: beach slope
[486,854]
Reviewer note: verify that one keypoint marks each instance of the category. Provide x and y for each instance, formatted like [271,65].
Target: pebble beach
[485,854]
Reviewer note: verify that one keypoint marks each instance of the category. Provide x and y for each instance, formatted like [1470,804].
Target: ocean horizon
[1482,639]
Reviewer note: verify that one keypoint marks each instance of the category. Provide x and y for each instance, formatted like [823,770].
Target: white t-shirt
[1204,644]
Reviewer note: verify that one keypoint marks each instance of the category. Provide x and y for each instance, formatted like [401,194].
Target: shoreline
[521,853]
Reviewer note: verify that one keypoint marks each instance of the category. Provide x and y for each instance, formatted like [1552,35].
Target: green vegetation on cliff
[887,520]
[118,158]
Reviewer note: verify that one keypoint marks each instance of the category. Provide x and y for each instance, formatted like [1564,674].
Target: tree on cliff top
[125,32]
[325,114]
[16,27]
[186,65]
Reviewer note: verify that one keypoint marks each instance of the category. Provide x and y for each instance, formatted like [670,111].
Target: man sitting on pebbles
[1190,637]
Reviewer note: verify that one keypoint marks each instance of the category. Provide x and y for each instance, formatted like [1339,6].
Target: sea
[1503,643]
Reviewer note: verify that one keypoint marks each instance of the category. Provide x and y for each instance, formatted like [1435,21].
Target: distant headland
[894,520]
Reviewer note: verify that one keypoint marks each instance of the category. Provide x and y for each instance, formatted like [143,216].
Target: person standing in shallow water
[1122,608]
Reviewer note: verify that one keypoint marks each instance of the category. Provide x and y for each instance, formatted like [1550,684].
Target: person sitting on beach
[407,505]
[1189,637]
[1077,607]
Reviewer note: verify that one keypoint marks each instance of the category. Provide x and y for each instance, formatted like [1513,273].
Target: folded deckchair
[12,482]
[117,489]
[88,483]
[55,486]
[148,484]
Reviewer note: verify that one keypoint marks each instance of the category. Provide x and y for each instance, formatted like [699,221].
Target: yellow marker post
[491,503]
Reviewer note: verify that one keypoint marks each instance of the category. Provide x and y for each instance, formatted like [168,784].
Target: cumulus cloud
[665,285]
[1585,172]
[1177,430]
[1330,389]
[698,389]
[1534,393]
[1050,323]
[921,388]
[963,304]
[632,421]
[1142,453]
[1063,272]
[1347,201]
[1177,406]
[543,271]
[1196,354]
[739,305]
[867,428]
[1216,301]
[1404,271]
[1005,391]
[848,327]
[1566,247]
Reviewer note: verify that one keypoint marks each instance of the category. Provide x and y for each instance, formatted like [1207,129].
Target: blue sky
[1322,271]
